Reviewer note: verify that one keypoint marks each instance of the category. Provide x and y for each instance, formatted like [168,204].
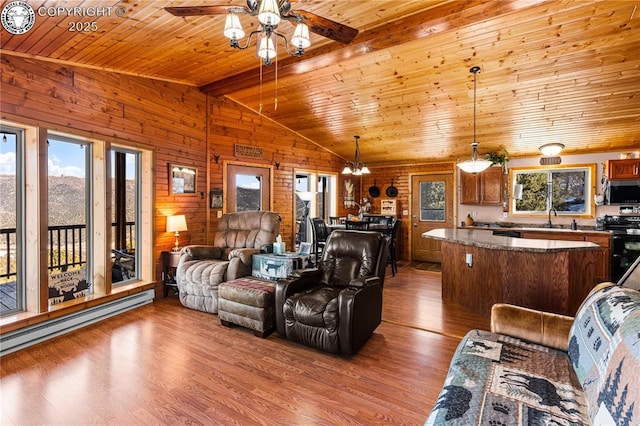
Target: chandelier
[269,16]
[475,164]
[356,167]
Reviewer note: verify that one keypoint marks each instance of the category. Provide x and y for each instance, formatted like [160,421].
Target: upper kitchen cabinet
[623,169]
[482,188]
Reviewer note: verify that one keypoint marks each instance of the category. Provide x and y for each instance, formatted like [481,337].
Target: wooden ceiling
[551,71]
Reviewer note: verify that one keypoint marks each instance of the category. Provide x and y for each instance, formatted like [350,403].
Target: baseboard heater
[19,339]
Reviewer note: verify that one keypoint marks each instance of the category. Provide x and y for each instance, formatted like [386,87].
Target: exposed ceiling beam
[414,27]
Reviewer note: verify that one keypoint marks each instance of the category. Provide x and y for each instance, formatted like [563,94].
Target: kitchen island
[480,269]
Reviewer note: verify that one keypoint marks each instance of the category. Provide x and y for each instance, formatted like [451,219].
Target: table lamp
[176,224]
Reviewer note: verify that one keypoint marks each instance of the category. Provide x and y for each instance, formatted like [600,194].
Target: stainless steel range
[625,241]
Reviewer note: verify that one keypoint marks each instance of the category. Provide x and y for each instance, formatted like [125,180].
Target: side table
[170,261]
[270,266]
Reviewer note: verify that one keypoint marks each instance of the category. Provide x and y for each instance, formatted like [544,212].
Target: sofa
[202,268]
[539,368]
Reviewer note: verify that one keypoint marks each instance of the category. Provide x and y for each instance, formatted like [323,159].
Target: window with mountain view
[11,283]
[125,199]
[69,248]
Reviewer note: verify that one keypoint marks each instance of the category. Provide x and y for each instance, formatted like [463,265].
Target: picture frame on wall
[182,180]
[216,200]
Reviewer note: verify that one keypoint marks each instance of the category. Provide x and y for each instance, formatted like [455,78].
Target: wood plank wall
[230,124]
[170,119]
[164,117]
[401,176]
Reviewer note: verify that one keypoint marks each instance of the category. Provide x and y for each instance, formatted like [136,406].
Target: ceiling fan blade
[326,27]
[205,10]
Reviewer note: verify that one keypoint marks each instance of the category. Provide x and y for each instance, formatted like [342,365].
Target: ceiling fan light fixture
[266,48]
[269,13]
[551,149]
[232,27]
[300,37]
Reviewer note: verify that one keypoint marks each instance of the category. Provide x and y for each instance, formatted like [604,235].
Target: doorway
[431,207]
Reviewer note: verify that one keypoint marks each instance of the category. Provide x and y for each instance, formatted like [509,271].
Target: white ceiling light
[551,149]
[475,164]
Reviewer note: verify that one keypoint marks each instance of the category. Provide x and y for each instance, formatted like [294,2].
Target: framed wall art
[182,180]
[216,198]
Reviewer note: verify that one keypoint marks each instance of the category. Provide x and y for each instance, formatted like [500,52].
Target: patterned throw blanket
[499,380]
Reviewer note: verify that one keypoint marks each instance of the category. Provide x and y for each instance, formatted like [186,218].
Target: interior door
[432,207]
[248,188]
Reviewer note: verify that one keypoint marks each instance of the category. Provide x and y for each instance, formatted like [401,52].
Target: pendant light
[475,164]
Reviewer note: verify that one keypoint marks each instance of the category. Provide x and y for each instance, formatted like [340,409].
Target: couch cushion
[499,380]
[604,348]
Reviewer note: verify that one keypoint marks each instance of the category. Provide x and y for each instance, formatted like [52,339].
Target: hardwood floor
[166,364]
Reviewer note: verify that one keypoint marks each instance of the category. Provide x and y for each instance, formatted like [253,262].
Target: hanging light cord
[474,70]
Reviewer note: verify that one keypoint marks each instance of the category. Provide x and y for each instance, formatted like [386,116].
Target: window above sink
[566,189]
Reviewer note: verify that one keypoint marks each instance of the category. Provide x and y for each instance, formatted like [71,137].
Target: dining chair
[320,234]
[357,225]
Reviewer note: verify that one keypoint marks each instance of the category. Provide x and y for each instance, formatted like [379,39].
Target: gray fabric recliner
[202,268]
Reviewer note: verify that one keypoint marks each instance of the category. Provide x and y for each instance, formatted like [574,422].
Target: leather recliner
[202,268]
[337,306]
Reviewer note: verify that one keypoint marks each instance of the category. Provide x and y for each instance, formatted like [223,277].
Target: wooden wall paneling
[231,123]
[402,180]
[167,117]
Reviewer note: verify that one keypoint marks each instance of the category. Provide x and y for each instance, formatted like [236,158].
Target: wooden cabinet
[623,169]
[482,188]
[603,261]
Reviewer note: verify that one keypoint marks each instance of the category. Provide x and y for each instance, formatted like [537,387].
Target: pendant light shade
[232,27]
[300,37]
[266,48]
[269,13]
[475,164]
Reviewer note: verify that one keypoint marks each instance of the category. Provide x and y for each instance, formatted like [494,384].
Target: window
[69,195]
[432,201]
[323,205]
[248,188]
[57,187]
[125,212]
[568,190]
[11,228]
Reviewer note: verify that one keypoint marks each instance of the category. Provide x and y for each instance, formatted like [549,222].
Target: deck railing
[66,247]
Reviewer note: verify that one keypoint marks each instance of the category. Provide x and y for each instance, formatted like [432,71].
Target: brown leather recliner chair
[202,268]
[336,306]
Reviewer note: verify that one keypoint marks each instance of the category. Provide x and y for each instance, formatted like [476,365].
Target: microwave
[623,192]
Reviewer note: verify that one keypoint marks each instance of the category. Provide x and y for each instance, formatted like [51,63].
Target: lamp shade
[233,27]
[475,164]
[300,37]
[266,48]
[176,223]
[306,195]
[269,13]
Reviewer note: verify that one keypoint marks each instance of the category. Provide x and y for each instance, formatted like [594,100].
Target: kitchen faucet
[555,212]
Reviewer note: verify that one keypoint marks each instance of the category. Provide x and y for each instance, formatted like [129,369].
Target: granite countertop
[481,238]
[534,227]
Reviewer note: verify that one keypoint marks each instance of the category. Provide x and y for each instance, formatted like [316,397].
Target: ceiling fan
[317,24]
